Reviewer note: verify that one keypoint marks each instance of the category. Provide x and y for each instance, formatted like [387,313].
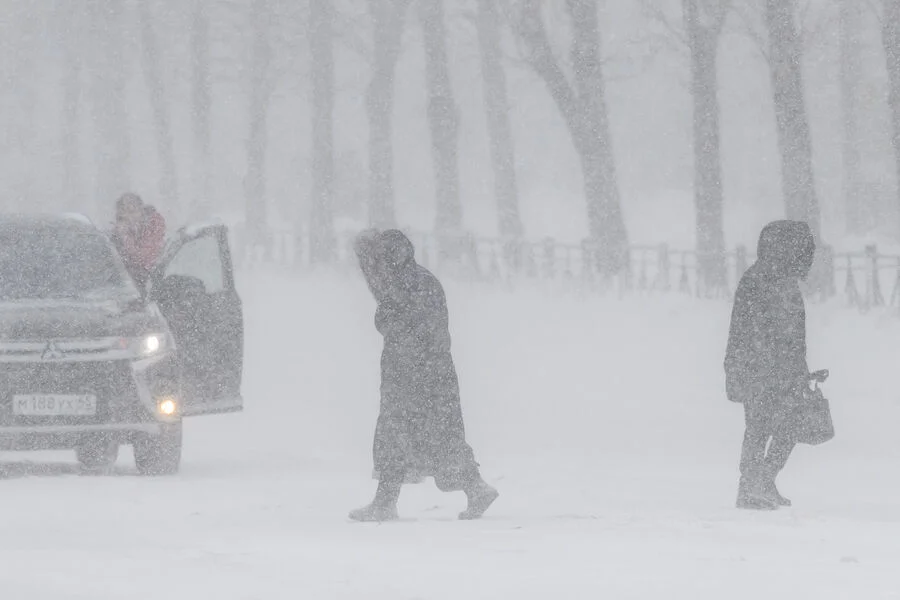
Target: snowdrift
[603,422]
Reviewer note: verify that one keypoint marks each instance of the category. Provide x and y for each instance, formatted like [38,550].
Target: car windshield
[58,263]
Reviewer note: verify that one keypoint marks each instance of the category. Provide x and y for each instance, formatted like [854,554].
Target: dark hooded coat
[765,360]
[420,429]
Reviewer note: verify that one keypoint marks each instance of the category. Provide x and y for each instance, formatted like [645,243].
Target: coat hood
[396,250]
[786,249]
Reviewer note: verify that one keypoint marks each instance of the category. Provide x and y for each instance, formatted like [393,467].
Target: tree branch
[652,10]
[877,9]
[751,29]
[528,25]
[720,12]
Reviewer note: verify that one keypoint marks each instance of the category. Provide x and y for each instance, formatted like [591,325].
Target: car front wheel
[97,453]
[159,454]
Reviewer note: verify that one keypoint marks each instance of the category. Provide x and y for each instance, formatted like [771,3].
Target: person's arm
[790,371]
[430,315]
[747,357]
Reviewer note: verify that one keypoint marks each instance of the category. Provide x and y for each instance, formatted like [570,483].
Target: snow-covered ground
[601,421]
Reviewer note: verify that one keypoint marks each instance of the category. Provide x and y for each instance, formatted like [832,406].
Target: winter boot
[383,507]
[480,496]
[374,513]
[753,494]
[773,493]
[775,460]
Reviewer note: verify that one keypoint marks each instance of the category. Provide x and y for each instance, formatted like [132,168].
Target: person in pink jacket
[139,235]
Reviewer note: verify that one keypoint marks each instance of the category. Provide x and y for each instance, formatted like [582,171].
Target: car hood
[70,319]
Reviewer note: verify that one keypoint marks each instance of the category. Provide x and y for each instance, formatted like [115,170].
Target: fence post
[494,272]
[850,285]
[664,272]
[873,283]
[895,293]
[549,258]
[642,270]
[740,262]
[684,284]
[512,254]
[529,260]
[587,262]
[828,266]
[470,255]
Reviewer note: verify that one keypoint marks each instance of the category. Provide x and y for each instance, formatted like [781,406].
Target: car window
[55,262]
[200,258]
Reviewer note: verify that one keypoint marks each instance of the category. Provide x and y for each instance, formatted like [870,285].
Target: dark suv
[90,362]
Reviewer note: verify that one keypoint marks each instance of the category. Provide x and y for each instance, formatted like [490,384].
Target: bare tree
[388,18]
[108,70]
[850,13]
[795,144]
[704,22]
[443,117]
[168,176]
[257,141]
[201,84]
[321,38]
[583,107]
[891,42]
[73,185]
[21,30]
[497,111]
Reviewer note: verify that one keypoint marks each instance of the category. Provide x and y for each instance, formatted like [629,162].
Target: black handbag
[809,419]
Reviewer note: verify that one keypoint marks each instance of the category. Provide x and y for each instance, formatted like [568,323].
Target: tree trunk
[321,37]
[73,185]
[113,148]
[857,220]
[891,41]
[499,130]
[257,141]
[584,111]
[202,104]
[168,181]
[443,118]
[605,220]
[785,54]
[388,18]
[708,197]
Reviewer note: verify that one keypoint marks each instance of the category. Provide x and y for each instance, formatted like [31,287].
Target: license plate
[54,405]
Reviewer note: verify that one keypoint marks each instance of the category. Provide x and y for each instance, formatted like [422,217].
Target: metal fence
[856,279]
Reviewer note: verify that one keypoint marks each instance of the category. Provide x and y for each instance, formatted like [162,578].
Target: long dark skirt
[420,431]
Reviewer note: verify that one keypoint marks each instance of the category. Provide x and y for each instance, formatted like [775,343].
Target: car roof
[64,222]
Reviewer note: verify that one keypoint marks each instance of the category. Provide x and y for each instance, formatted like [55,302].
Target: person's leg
[480,496]
[384,506]
[752,492]
[462,473]
[777,456]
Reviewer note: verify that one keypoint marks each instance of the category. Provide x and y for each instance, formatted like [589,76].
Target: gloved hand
[820,376]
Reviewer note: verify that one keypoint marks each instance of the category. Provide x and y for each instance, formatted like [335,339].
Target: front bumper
[62,437]
[128,393]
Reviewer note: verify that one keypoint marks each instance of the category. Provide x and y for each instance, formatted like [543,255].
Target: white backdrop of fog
[58,61]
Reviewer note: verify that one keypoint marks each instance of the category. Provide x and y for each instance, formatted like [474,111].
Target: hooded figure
[420,429]
[765,362]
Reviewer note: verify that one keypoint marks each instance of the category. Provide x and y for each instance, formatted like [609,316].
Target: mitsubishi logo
[52,352]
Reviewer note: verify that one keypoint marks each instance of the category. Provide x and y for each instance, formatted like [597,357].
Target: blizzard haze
[592,387]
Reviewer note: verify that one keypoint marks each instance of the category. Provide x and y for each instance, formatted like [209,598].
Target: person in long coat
[420,430]
[765,362]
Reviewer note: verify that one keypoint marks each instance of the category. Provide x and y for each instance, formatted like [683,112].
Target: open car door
[193,285]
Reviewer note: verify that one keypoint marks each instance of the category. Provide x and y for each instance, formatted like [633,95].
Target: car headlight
[151,344]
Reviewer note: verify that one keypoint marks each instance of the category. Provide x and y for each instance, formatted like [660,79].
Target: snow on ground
[601,421]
